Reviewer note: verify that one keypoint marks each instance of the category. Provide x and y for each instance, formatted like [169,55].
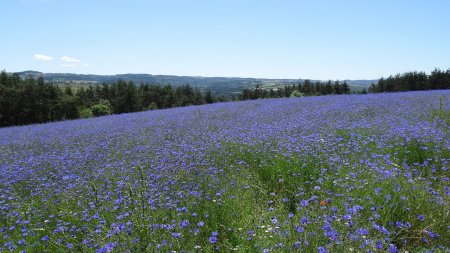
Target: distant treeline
[31,100]
[412,81]
[307,88]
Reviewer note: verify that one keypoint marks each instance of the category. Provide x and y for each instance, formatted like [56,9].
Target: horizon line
[199,76]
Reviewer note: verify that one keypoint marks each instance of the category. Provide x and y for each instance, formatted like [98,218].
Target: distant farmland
[228,86]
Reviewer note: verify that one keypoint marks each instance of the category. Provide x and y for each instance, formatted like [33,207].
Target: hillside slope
[314,174]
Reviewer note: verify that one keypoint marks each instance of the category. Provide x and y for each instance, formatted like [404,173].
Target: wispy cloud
[42,57]
[69,59]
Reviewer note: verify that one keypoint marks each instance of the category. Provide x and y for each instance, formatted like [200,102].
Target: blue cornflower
[379,245]
[393,248]
[274,220]
[304,220]
[200,224]
[381,229]
[377,191]
[432,235]
[385,231]
[322,250]
[250,233]
[362,231]
[107,248]
[347,216]
[184,223]
[44,238]
[213,239]
[353,237]
[421,217]
[304,202]
[12,247]
[313,198]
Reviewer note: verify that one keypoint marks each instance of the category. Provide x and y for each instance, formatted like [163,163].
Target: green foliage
[85,113]
[276,180]
[208,97]
[411,81]
[307,88]
[296,94]
[25,101]
[152,106]
[101,109]
[441,113]
[32,100]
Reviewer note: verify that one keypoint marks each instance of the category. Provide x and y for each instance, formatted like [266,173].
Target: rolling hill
[218,85]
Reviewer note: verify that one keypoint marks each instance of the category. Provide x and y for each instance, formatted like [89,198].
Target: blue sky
[326,39]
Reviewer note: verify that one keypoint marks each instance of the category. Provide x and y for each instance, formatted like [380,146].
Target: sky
[323,39]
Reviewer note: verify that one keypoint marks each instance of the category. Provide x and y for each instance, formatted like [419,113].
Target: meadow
[345,173]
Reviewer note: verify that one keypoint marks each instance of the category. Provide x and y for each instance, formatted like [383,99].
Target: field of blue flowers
[348,173]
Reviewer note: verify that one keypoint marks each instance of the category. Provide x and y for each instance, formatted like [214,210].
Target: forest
[32,100]
[307,88]
[413,81]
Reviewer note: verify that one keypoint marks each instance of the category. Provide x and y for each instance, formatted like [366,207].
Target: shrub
[296,94]
[85,113]
[101,109]
[152,106]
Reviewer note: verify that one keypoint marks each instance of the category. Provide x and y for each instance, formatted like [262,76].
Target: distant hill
[218,85]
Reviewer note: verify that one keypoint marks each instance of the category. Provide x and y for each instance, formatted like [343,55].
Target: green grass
[440,112]
[400,199]
[259,186]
